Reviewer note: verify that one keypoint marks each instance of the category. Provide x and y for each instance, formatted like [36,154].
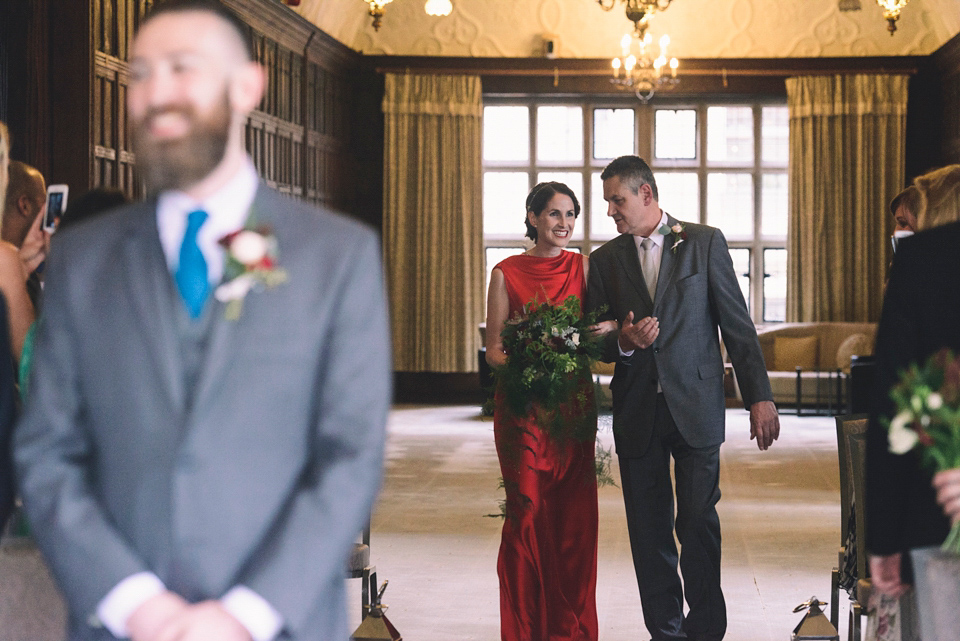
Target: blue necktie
[192,273]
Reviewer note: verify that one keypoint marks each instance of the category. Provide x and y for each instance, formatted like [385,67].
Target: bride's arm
[498,307]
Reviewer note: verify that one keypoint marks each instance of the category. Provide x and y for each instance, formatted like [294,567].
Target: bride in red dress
[548,551]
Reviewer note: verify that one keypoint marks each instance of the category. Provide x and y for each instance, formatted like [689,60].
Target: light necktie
[191,275]
[648,264]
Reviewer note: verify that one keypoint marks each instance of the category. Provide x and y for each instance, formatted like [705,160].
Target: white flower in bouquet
[576,338]
[902,438]
[934,401]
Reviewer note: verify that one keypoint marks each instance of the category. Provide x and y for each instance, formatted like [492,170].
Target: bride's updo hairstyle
[537,201]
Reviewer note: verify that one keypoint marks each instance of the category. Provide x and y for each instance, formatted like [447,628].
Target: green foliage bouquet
[549,353]
[928,415]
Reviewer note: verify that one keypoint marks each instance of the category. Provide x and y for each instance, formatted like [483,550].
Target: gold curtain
[846,164]
[433,224]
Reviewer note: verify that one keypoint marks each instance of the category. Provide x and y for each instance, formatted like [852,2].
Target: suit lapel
[667,260]
[221,347]
[630,261]
[149,282]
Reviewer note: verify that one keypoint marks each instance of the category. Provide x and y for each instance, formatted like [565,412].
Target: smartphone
[56,205]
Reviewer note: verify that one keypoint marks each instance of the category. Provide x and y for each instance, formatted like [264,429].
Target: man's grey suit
[697,295]
[260,474]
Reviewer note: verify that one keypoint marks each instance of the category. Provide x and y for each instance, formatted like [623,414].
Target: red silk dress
[548,549]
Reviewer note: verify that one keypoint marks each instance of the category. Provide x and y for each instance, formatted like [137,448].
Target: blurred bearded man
[205,433]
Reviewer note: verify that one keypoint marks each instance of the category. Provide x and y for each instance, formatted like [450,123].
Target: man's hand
[205,621]
[764,423]
[885,575]
[947,484]
[151,617]
[638,335]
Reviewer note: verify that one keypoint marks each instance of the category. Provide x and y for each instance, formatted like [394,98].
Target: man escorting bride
[671,286]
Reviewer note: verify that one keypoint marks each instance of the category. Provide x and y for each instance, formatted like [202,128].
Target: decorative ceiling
[581,29]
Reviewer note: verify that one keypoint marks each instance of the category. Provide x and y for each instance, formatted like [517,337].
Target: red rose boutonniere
[251,265]
[678,232]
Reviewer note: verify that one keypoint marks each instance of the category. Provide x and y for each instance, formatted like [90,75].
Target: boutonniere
[251,265]
[678,232]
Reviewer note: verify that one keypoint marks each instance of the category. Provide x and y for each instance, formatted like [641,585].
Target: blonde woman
[921,315]
[939,201]
[13,279]
[7,391]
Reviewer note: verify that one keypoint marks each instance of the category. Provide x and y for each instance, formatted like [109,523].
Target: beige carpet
[779,513]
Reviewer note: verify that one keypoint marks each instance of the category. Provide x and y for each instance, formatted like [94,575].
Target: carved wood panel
[299,138]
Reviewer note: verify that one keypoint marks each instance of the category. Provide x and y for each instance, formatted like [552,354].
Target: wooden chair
[858,457]
[851,448]
[359,567]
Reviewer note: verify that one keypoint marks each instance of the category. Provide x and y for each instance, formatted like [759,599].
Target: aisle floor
[779,513]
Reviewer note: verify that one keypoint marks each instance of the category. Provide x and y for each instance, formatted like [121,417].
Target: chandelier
[891,11]
[638,12]
[641,73]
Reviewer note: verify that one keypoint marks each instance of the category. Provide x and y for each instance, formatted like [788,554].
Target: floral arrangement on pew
[928,416]
[549,354]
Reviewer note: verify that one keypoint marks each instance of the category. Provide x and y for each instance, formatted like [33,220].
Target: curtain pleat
[846,164]
[433,225]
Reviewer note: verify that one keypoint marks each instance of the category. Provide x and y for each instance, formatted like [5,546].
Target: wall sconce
[376,11]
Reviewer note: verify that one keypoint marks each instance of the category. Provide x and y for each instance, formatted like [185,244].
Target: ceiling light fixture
[376,11]
[438,7]
[891,11]
[638,12]
[642,74]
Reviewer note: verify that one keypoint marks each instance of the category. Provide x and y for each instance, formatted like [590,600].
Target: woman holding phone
[13,277]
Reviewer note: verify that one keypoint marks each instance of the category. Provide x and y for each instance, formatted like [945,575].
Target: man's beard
[185,161]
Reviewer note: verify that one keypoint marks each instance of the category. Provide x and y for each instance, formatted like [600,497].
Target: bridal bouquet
[549,353]
[928,416]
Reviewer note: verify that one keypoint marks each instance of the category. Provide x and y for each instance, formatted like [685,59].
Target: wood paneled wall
[946,80]
[309,139]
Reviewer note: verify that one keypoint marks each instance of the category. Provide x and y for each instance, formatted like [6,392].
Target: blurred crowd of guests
[24,243]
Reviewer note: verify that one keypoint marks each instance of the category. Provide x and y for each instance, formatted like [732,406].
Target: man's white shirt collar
[656,236]
[228,209]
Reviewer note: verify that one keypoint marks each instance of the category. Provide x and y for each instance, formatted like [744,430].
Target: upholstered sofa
[822,351]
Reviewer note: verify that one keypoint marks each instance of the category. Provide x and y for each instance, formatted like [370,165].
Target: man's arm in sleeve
[597,298]
[55,462]
[738,331]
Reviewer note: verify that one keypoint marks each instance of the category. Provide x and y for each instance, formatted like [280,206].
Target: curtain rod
[683,71]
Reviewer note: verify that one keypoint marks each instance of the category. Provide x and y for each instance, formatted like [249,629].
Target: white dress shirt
[657,249]
[228,210]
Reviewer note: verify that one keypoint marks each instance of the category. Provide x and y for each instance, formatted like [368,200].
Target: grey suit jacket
[697,293]
[265,478]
